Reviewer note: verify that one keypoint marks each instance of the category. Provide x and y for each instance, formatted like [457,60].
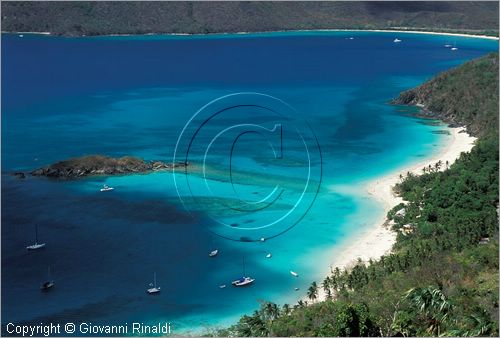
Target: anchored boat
[37,245]
[154,289]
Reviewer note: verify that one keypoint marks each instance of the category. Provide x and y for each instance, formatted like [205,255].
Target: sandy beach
[403,31]
[377,240]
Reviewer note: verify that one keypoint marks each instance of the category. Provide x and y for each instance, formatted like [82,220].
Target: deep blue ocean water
[66,97]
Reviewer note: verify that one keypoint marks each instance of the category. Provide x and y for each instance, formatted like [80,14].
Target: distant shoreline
[476,36]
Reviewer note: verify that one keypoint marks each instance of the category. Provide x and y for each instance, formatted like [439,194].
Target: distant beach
[377,240]
[477,36]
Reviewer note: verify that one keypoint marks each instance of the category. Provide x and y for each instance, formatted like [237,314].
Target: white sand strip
[378,240]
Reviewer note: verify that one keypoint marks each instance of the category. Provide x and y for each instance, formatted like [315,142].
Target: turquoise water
[65,97]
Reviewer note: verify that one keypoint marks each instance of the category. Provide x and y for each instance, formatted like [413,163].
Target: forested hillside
[138,17]
[442,276]
[462,95]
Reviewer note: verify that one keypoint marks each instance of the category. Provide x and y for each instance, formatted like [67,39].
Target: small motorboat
[37,245]
[20,35]
[294,274]
[213,253]
[222,286]
[154,289]
[454,48]
[262,239]
[269,255]
[447,45]
[396,40]
[107,188]
[243,281]
[296,289]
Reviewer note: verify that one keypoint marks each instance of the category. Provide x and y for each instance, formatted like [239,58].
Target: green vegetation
[137,17]
[442,277]
[101,165]
[462,95]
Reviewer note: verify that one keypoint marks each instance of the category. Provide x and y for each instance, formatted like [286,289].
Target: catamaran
[107,188]
[37,245]
[154,289]
[49,283]
[243,281]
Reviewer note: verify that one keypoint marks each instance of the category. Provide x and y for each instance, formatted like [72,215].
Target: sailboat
[213,253]
[454,46]
[49,283]
[105,187]
[154,289]
[294,274]
[396,40]
[243,281]
[37,245]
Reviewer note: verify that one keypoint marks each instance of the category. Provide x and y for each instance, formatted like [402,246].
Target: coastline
[476,36]
[378,239]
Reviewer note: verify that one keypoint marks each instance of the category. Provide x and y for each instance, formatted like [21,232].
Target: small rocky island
[102,165]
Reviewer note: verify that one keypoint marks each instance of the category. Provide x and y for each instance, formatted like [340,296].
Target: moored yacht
[243,281]
[154,289]
[107,188]
[49,283]
[37,245]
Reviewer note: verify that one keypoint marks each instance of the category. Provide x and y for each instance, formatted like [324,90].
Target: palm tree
[479,325]
[432,304]
[438,165]
[312,292]
[328,294]
[270,311]
[286,310]
[326,284]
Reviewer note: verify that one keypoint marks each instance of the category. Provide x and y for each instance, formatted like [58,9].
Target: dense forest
[461,96]
[140,17]
[442,275]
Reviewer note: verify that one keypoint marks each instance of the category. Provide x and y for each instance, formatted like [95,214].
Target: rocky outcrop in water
[102,165]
